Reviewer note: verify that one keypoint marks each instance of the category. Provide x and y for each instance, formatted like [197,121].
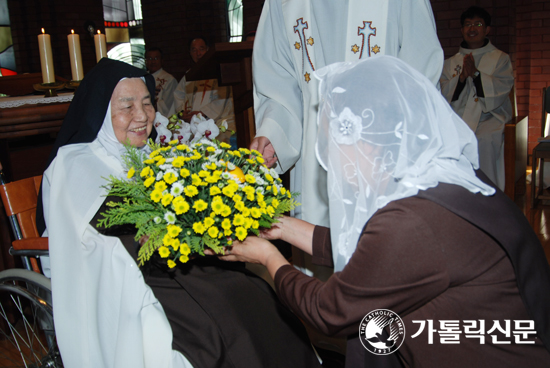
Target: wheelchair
[27,334]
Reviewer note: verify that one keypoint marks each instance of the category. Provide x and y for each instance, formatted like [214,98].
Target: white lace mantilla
[9,102]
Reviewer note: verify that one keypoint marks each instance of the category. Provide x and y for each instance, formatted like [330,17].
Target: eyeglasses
[152,59]
[476,24]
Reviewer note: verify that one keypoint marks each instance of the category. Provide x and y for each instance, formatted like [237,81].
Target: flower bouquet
[189,197]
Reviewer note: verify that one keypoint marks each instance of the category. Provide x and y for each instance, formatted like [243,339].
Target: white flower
[260,190]
[161,126]
[176,174]
[207,129]
[224,126]
[346,128]
[226,175]
[176,189]
[170,217]
[160,174]
[231,166]
[273,173]
[165,167]
[157,220]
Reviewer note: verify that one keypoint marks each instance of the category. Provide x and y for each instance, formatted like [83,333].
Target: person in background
[477,82]
[165,83]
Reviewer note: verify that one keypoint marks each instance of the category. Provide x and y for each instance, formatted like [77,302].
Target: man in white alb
[477,82]
[204,96]
[298,37]
[165,83]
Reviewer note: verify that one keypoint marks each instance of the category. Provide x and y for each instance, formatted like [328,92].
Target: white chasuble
[297,37]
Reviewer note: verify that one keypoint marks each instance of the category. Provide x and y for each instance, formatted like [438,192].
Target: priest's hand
[263,145]
[468,67]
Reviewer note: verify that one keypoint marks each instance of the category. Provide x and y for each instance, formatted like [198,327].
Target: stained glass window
[235,20]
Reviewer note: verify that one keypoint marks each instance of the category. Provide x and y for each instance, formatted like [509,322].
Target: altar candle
[100,46]
[46,59]
[76,56]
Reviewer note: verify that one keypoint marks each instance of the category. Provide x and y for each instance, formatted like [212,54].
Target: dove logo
[382,332]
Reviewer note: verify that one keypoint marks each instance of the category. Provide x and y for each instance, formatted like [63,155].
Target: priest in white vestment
[477,82]
[204,96]
[295,38]
[165,83]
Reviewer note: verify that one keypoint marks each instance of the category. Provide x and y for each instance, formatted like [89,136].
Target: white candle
[76,56]
[100,46]
[46,59]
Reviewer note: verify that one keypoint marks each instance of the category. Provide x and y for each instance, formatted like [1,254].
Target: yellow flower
[236,153]
[275,203]
[175,244]
[229,191]
[180,206]
[269,178]
[226,211]
[166,199]
[184,248]
[191,191]
[182,147]
[164,251]
[250,179]
[250,196]
[198,227]
[255,224]
[238,220]
[245,151]
[253,151]
[156,195]
[196,180]
[283,190]
[149,181]
[149,161]
[241,233]
[237,198]
[214,191]
[160,185]
[240,206]
[172,142]
[255,212]
[212,178]
[203,174]
[212,166]
[213,232]
[161,161]
[210,149]
[173,230]
[246,212]
[131,173]
[217,207]
[250,161]
[169,177]
[248,190]
[200,205]
[226,224]
[225,145]
[178,161]
[146,172]
[154,153]
[248,222]
[167,240]
[275,191]
[171,263]
[227,232]
[260,160]
[184,173]
[288,194]
[270,210]
[209,221]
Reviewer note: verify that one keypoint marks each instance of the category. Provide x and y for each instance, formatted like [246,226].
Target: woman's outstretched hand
[254,250]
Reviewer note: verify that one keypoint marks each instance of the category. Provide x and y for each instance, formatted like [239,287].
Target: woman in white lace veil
[385,143]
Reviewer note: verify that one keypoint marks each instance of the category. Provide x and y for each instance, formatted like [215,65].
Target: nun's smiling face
[132,112]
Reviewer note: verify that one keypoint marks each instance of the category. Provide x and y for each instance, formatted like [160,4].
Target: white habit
[105,314]
[165,85]
[486,116]
[207,97]
[294,39]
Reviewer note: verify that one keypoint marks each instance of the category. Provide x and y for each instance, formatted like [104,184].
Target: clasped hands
[468,67]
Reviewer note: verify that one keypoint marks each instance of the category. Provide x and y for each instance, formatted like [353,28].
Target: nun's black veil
[87,110]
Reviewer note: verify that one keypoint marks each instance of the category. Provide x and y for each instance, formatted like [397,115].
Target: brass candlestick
[50,89]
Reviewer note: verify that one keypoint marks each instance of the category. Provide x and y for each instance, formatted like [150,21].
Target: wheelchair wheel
[27,336]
